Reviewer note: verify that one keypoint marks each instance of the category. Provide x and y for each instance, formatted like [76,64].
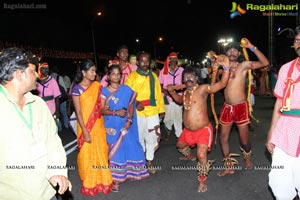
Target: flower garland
[187,106]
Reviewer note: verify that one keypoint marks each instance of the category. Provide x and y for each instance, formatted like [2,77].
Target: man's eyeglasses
[297,40]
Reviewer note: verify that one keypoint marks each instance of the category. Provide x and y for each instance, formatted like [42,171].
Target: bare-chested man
[198,129]
[236,108]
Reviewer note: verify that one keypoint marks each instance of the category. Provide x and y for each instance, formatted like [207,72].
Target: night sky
[187,26]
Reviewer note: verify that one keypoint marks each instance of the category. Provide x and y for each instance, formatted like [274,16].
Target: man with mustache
[172,74]
[150,106]
[198,129]
[283,140]
[235,109]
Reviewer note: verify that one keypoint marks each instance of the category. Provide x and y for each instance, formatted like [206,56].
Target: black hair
[191,70]
[122,47]
[12,59]
[84,66]
[297,31]
[138,55]
[111,68]
[234,45]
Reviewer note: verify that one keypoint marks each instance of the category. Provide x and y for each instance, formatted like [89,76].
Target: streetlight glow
[225,41]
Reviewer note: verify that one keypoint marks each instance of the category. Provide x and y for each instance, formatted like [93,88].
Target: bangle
[253,49]
[129,120]
[226,68]
[114,112]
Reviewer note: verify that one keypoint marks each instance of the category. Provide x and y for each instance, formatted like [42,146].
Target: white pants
[284,177]
[148,140]
[173,115]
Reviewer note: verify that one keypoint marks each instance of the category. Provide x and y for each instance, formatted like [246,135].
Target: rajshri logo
[236,10]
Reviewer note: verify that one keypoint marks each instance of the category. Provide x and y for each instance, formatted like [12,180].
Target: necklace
[187,105]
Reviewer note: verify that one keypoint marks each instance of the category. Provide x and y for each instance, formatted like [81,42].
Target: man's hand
[270,147]
[161,116]
[245,43]
[139,106]
[223,60]
[170,88]
[62,182]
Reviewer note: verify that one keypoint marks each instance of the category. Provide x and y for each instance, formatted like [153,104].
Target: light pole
[159,39]
[93,36]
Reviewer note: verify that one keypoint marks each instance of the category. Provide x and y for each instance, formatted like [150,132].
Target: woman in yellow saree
[93,167]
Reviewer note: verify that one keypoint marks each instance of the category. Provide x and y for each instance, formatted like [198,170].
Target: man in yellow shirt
[150,105]
[32,158]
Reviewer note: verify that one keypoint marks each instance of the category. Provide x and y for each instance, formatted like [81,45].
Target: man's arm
[275,117]
[172,91]
[57,173]
[223,61]
[262,60]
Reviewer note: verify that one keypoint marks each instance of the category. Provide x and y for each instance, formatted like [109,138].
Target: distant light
[137,40]
[99,13]
[225,41]
[278,29]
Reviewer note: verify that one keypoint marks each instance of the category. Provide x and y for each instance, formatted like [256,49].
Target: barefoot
[202,186]
[168,135]
[225,172]
[248,164]
[115,187]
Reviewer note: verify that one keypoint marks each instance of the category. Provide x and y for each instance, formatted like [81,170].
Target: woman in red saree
[93,167]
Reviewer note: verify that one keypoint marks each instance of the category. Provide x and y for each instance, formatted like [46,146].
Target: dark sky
[190,27]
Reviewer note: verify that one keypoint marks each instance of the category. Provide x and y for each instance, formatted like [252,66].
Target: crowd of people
[119,117]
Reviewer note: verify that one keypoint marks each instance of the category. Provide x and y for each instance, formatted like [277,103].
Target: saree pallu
[93,167]
[126,155]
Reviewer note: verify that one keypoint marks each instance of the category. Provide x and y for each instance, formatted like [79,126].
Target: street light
[159,39]
[224,42]
[138,42]
[290,31]
[93,36]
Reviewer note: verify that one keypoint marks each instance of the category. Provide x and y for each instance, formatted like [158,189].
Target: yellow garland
[212,98]
[249,83]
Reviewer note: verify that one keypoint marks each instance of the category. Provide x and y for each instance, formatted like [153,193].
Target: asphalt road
[177,180]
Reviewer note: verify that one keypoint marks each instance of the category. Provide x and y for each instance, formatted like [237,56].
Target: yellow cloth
[141,85]
[92,158]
